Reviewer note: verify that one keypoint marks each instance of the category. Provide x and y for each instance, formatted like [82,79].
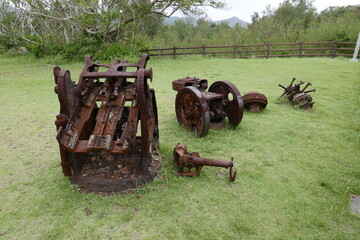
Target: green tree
[286,23]
[106,20]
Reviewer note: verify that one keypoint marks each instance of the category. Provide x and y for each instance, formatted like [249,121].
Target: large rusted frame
[200,110]
[190,164]
[88,123]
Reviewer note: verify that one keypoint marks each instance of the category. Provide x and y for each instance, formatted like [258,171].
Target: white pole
[354,59]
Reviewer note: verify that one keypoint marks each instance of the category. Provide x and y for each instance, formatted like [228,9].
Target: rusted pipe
[190,164]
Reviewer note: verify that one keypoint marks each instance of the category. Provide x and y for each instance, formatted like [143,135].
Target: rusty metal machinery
[254,101]
[298,97]
[198,110]
[190,164]
[103,147]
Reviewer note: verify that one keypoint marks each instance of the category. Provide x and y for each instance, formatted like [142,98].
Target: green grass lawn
[296,171]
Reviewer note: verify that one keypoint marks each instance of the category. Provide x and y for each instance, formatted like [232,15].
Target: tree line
[110,28]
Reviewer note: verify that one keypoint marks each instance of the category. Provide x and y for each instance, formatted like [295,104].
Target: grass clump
[296,170]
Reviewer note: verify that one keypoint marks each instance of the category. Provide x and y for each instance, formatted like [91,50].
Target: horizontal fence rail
[299,49]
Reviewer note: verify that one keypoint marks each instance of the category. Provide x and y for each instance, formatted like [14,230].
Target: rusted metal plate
[297,96]
[200,84]
[100,146]
[198,110]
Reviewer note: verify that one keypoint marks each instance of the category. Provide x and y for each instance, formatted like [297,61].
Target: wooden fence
[299,49]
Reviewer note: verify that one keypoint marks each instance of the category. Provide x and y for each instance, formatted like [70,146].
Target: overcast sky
[244,9]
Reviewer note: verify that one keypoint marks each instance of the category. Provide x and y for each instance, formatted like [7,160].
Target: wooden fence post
[239,51]
[300,49]
[334,50]
[356,51]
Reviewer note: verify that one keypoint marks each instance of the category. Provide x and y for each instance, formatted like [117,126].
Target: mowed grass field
[296,171]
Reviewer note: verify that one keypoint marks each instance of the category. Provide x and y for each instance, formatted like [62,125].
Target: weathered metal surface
[101,147]
[298,96]
[198,110]
[190,164]
[254,101]
[355,204]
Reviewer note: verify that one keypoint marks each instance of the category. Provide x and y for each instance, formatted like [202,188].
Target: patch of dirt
[88,212]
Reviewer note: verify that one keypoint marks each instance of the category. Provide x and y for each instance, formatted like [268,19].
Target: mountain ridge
[230,21]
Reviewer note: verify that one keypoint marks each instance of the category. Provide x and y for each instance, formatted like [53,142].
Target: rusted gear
[233,104]
[254,101]
[303,100]
[192,111]
[298,96]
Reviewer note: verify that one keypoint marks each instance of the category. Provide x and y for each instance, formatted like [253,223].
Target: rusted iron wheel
[254,101]
[192,111]
[233,104]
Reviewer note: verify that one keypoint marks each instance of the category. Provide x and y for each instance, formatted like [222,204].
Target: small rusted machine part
[190,164]
[254,101]
[103,147]
[198,110]
[297,96]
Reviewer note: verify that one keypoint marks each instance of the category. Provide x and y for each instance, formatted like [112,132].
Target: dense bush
[76,50]
[293,21]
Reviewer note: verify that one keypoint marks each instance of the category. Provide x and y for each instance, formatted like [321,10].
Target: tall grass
[296,170]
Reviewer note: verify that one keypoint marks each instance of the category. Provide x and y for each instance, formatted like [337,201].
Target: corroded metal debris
[103,147]
[190,164]
[254,101]
[298,97]
[198,110]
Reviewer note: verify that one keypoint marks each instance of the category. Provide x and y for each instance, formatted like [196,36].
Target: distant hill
[231,21]
[172,20]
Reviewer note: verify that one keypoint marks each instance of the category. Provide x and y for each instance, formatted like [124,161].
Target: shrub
[75,50]
[39,50]
[115,50]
